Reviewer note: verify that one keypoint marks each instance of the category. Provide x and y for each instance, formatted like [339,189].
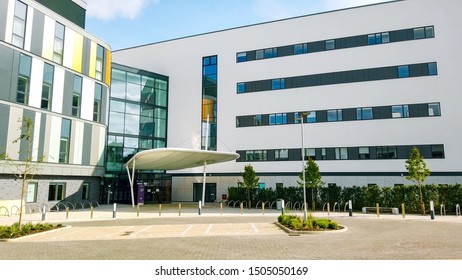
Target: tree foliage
[418,172]
[313,179]
[250,181]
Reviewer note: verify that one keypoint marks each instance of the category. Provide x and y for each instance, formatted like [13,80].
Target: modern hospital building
[368,83]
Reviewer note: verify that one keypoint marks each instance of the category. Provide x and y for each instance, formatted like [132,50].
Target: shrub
[296,223]
[14,231]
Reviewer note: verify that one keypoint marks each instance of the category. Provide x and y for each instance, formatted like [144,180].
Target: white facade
[181,60]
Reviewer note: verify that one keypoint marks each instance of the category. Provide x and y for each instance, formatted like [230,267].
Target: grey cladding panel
[4,121]
[37,33]
[87,136]
[3,14]
[68,89]
[27,114]
[6,64]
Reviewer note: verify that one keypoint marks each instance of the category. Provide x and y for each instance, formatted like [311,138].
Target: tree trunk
[23,190]
[422,204]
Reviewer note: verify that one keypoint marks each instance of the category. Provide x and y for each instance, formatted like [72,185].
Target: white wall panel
[54,140]
[68,47]
[48,38]
[36,81]
[88,95]
[58,90]
[9,21]
[12,149]
[77,142]
[30,20]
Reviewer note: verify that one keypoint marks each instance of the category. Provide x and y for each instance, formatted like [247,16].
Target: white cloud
[112,9]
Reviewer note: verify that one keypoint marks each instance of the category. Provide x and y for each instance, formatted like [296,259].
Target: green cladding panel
[67,9]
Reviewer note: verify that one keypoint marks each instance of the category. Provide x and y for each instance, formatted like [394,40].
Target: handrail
[7,213]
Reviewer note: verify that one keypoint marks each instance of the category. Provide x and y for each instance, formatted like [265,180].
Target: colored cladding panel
[48,38]
[67,9]
[92,66]
[78,53]
[207,110]
[108,67]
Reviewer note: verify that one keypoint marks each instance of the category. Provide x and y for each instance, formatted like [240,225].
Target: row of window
[342,153]
[23,89]
[339,43]
[348,114]
[352,76]
[56,52]
[56,191]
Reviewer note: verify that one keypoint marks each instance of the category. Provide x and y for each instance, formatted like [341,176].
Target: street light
[302,115]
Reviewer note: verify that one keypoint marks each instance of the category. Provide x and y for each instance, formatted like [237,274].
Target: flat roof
[177,158]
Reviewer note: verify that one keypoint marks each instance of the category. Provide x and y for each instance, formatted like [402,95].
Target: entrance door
[210,192]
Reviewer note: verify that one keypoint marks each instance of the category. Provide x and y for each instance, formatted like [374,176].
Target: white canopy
[173,159]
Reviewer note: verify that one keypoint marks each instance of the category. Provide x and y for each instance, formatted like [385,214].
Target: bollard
[137,210]
[221,208]
[350,208]
[67,212]
[44,211]
[263,208]
[282,206]
[242,208]
[200,206]
[403,210]
[114,211]
[377,208]
[179,209]
[457,210]
[328,209]
[160,210]
[432,210]
[91,212]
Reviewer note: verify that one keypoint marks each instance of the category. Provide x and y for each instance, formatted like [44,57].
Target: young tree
[313,179]
[26,168]
[418,172]
[250,181]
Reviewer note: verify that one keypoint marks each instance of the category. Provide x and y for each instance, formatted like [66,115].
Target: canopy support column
[205,163]
[131,179]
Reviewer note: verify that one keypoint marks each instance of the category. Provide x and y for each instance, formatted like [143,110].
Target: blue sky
[128,23]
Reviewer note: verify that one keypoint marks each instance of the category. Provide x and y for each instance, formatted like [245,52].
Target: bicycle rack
[295,206]
[344,209]
[442,210]
[7,213]
[96,202]
[57,205]
[229,203]
[17,210]
[237,202]
[338,207]
[288,205]
[73,206]
[258,203]
[46,206]
[325,203]
[271,206]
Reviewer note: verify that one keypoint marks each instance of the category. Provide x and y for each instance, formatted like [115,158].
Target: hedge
[364,196]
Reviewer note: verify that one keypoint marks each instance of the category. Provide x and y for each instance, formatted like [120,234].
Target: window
[379,38]
[300,48]
[260,155]
[86,191]
[403,71]
[278,84]
[241,57]
[22,93]
[99,63]
[432,69]
[257,120]
[434,109]
[341,153]
[58,46]
[334,115]
[310,153]
[330,44]
[241,88]
[282,154]
[47,86]
[260,54]
[364,153]
[270,53]
[437,151]
[400,111]
[97,103]
[364,114]
[276,119]
[311,118]
[76,96]
[31,195]
[424,32]
[19,24]
[386,152]
[249,155]
[65,140]
[56,191]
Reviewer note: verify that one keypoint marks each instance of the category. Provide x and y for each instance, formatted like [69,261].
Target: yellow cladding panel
[108,67]
[78,53]
[92,70]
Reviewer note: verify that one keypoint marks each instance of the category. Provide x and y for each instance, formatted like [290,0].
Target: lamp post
[302,115]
